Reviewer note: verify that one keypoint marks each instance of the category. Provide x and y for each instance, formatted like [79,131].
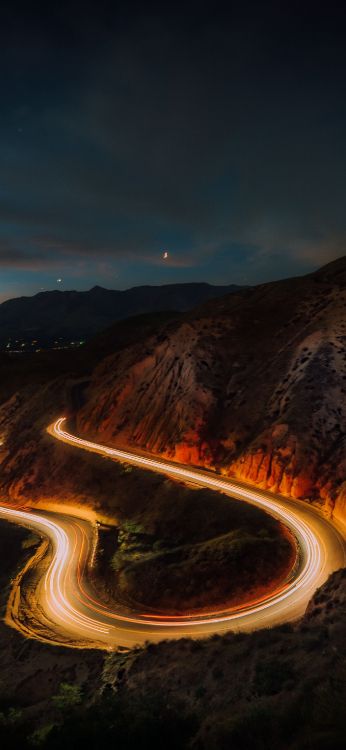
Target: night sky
[128,130]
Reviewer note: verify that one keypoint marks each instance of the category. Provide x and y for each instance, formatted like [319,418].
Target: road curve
[69,605]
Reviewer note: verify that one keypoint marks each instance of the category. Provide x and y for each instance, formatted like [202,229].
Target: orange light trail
[68,601]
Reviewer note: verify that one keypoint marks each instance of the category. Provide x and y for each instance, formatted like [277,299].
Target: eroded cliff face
[252,384]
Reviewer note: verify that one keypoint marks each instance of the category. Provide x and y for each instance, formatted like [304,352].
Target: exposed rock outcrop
[253,383]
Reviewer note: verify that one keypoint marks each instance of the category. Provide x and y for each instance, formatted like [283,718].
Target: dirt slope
[253,384]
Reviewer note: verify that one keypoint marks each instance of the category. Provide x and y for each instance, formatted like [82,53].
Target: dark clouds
[125,130]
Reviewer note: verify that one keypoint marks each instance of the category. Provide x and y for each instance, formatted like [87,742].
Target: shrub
[68,697]
[271,675]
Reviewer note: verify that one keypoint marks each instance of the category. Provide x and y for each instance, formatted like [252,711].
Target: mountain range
[56,315]
[252,384]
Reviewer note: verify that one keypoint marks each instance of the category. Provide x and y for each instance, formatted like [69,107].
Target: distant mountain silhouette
[72,315]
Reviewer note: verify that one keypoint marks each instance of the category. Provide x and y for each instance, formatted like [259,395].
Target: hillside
[282,688]
[62,317]
[253,384]
[184,550]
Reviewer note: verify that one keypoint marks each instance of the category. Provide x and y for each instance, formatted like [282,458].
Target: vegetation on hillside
[283,688]
[193,550]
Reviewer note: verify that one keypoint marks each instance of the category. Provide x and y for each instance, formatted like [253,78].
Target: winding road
[66,604]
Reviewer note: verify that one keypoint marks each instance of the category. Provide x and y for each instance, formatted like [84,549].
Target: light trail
[69,603]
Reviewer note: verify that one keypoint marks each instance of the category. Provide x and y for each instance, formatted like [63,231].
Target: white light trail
[65,598]
[306,537]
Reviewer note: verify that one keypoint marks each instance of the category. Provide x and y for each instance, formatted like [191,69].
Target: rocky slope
[253,383]
[283,688]
[255,386]
[186,548]
[32,671]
